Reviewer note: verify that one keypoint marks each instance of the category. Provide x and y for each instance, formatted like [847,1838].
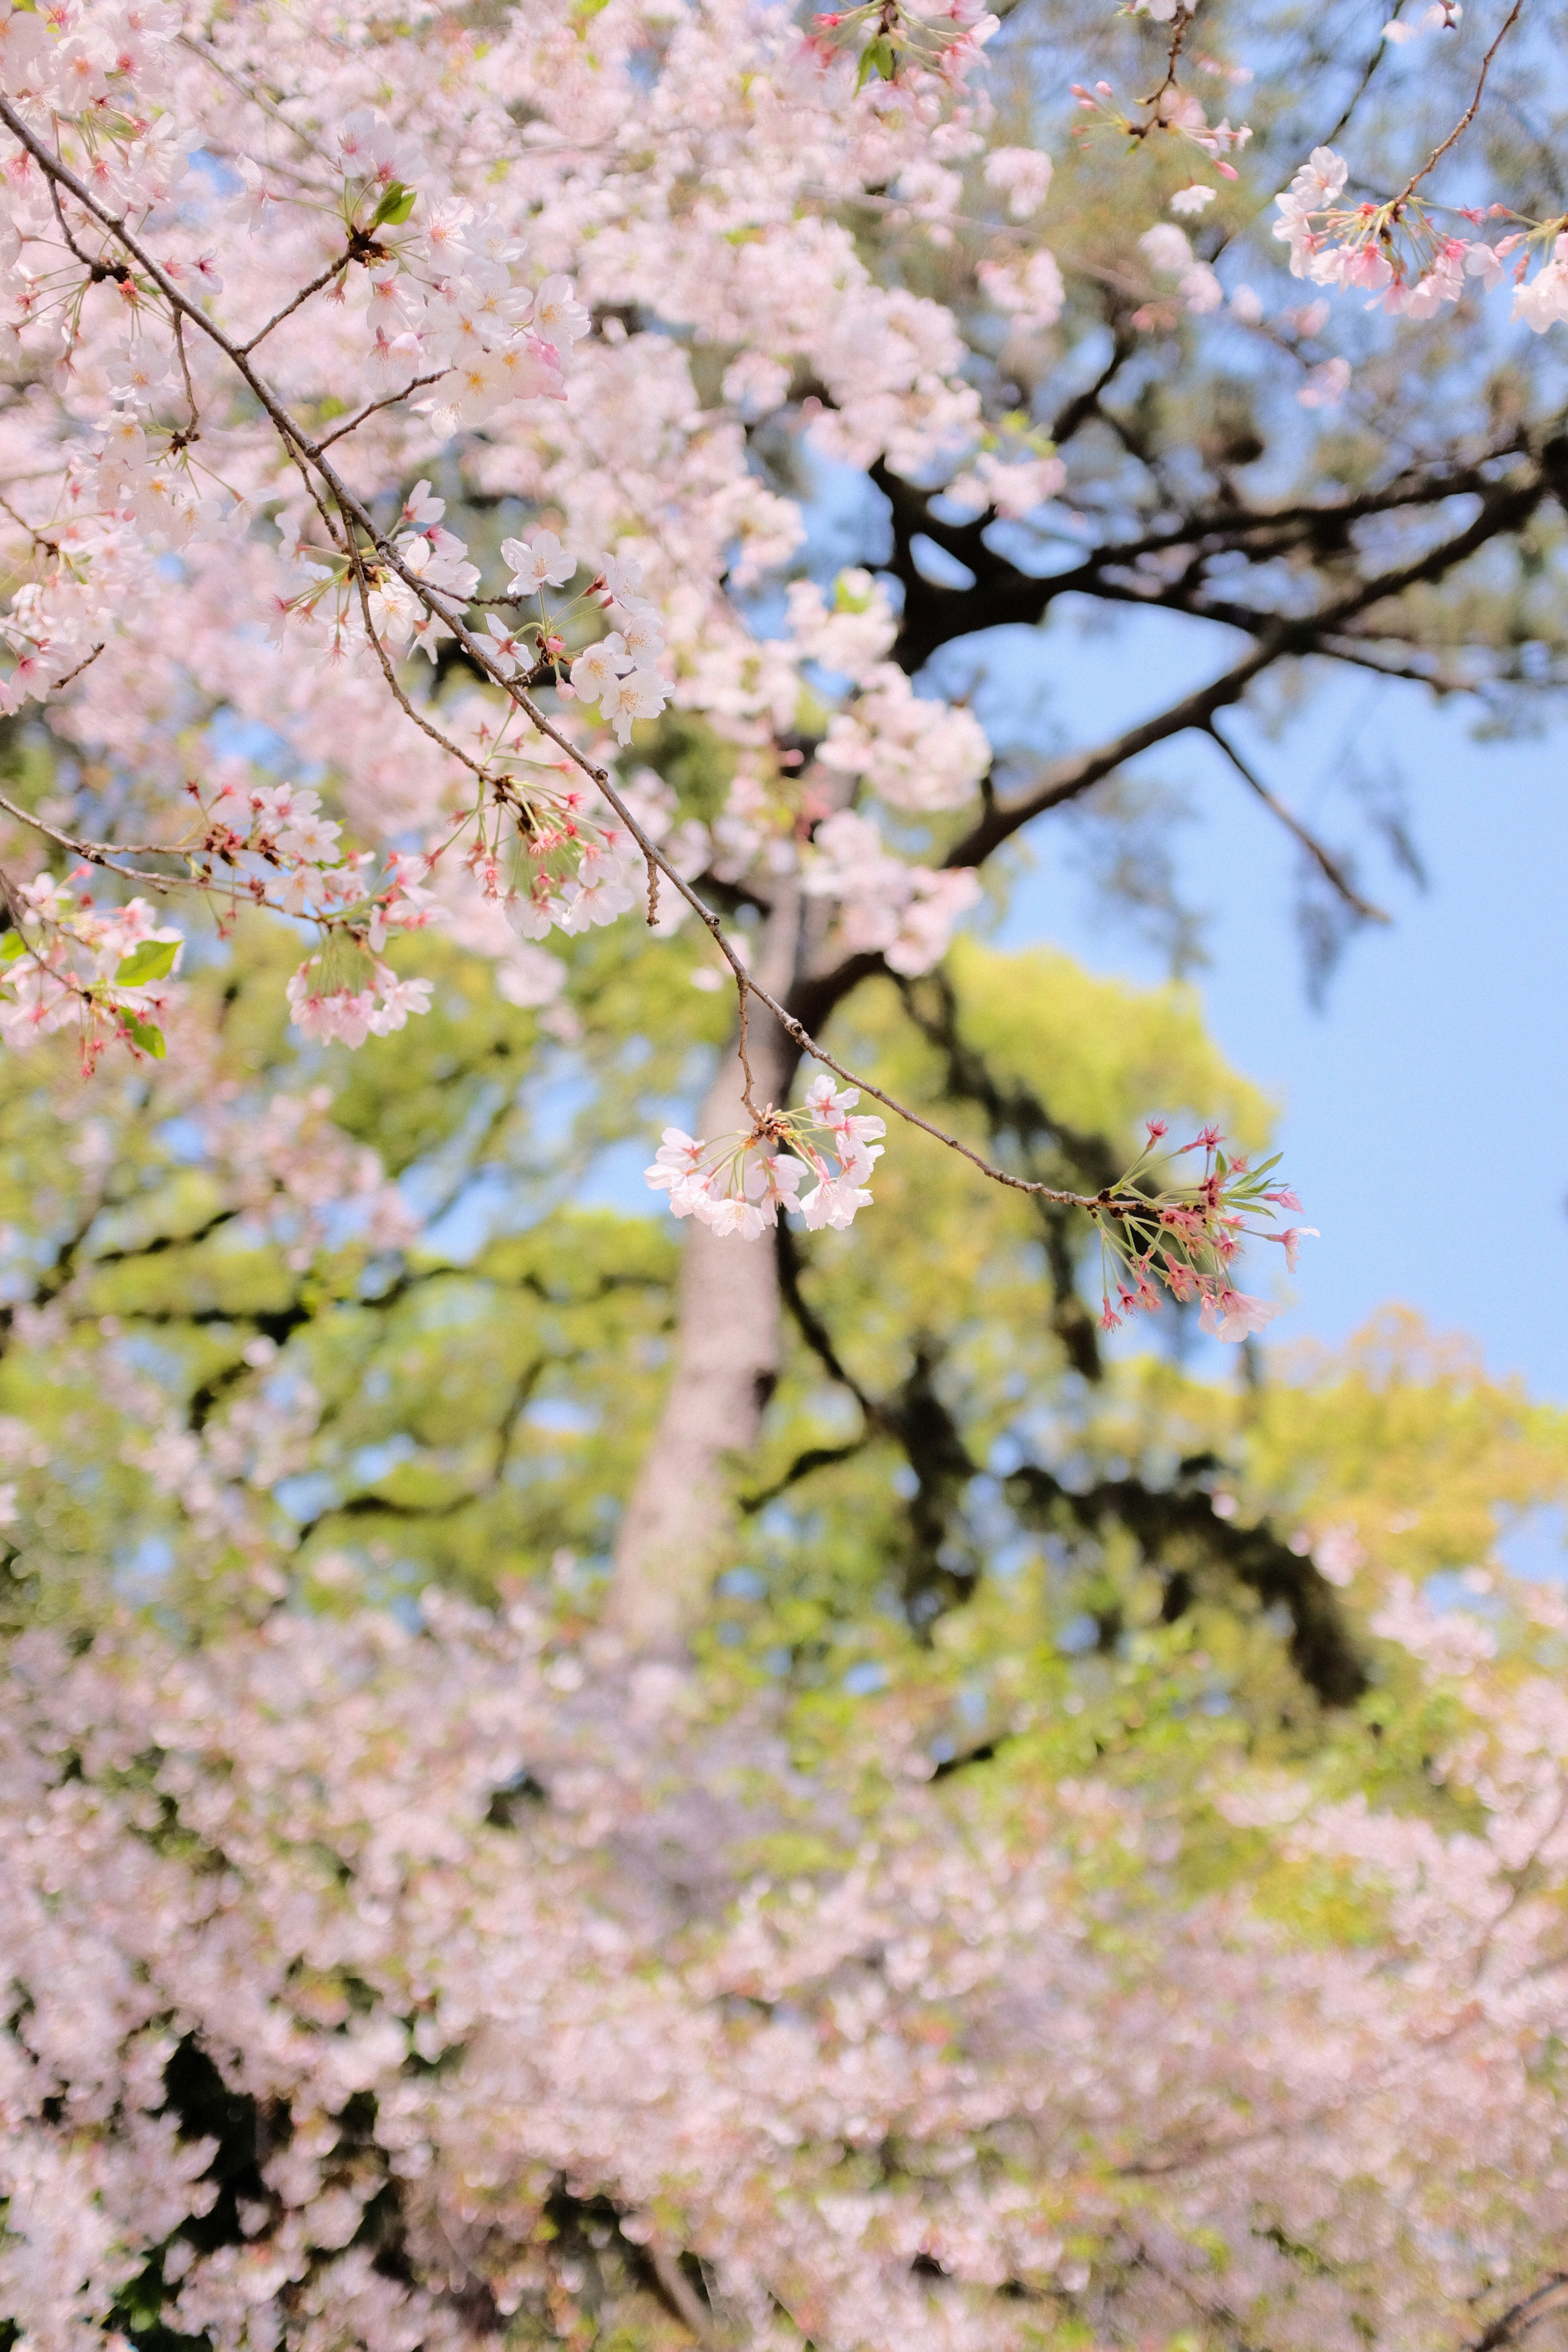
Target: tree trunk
[678,1529]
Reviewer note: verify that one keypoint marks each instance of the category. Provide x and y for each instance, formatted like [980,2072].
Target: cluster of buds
[1185,1238]
[65,961]
[739,1184]
[1171,109]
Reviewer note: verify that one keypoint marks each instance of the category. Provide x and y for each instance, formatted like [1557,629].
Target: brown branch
[1178,37]
[1520,2317]
[72,674]
[1071,777]
[193,428]
[322,277]
[387,672]
[104,852]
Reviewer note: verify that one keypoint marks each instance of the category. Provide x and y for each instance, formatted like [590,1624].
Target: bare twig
[744,987]
[353,424]
[195,425]
[1326,863]
[1178,37]
[72,674]
[103,852]
[322,277]
[390,675]
[1470,112]
[49,546]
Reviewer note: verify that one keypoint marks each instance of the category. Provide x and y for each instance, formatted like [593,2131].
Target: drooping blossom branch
[424,572]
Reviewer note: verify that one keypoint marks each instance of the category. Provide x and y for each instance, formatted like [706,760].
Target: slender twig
[72,674]
[1178,36]
[744,987]
[186,371]
[322,277]
[1470,112]
[353,424]
[49,546]
[102,853]
[424,724]
[1327,865]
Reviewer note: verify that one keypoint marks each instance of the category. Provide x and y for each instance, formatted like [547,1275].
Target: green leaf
[394,206]
[12,946]
[153,960]
[584,13]
[143,1034]
[876,58]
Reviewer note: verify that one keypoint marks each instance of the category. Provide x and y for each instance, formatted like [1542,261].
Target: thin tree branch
[688,2305]
[1470,112]
[353,423]
[1326,863]
[106,852]
[322,277]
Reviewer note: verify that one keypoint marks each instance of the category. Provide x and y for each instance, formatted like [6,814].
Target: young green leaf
[143,1034]
[152,960]
[394,206]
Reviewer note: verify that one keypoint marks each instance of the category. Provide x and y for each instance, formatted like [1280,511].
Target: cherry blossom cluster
[905,912]
[1400,254]
[1184,1239]
[430,285]
[740,1184]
